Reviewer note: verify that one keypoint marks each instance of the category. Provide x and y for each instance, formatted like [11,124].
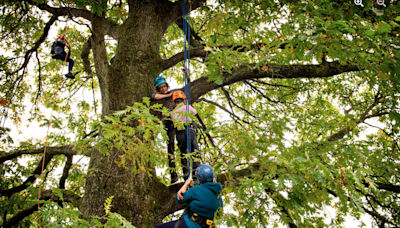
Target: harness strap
[200,220]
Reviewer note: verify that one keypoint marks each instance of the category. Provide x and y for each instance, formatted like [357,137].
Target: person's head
[178,97]
[161,85]
[61,38]
[205,173]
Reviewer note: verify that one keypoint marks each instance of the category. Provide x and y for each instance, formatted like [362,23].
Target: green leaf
[369,33]
[394,116]
[58,193]
[384,28]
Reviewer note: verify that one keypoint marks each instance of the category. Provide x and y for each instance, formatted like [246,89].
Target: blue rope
[186,64]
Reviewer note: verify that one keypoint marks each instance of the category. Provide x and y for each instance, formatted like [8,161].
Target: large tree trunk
[126,79]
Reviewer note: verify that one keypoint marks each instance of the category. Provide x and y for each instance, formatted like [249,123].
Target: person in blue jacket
[202,201]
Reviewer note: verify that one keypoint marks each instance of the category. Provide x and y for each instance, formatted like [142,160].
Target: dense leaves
[302,150]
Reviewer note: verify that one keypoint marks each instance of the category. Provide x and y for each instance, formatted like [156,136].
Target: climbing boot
[70,75]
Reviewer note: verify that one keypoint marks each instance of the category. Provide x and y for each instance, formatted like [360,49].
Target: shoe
[174,177]
[70,75]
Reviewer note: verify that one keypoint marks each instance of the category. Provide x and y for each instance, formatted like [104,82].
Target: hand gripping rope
[51,115]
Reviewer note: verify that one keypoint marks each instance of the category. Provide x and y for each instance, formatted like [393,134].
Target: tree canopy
[300,103]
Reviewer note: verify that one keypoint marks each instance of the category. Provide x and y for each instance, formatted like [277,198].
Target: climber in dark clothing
[58,52]
[161,89]
[184,124]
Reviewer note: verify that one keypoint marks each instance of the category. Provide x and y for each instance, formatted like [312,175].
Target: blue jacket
[202,200]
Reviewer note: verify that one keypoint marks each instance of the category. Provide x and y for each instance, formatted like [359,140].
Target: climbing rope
[186,65]
[51,117]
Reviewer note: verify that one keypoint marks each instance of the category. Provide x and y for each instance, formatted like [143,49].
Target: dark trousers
[62,56]
[169,126]
[182,224]
[181,137]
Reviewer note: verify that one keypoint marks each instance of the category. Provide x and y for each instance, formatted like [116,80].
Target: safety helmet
[159,81]
[61,36]
[205,173]
[178,94]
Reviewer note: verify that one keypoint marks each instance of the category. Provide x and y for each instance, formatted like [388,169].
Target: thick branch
[66,150]
[42,38]
[64,176]
[30,180]
[195,39]
[176,10]
[195,52]
[201,52]
[202,86]
[110,27]
[388,187]
[85,56]
[68,196]
[21,215]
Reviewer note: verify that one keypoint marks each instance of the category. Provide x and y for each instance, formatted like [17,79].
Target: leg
[182,144]
[182,224]
[70,64]
[64,57]
[171,149]
[70,67]
[195,148]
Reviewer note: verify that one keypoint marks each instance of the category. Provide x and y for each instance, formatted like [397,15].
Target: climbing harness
[51,116]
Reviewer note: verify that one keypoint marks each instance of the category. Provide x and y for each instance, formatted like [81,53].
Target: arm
[183,189]
[67,44]
[159,96]
[192,110]
[183,195]
[186,72]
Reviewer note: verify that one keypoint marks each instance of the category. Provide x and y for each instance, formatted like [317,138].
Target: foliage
[140,144]
[287,145]
[67,216]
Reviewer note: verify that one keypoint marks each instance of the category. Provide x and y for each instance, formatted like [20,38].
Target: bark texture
[124,80]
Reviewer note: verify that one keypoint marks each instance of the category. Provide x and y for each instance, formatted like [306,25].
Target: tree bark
[124,80]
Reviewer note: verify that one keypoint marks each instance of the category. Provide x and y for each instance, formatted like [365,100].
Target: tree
[318,71]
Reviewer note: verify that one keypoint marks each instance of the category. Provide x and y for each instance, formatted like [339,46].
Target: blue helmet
[205,173]
[159,81]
